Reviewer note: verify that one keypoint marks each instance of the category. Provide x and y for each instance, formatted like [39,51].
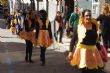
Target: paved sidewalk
[12,54]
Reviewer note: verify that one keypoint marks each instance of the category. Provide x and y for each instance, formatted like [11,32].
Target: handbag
[103,52]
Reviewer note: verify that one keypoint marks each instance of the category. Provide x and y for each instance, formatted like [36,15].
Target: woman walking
[59,21]
[28,29]
[104,20]
[43,34]
[86,55]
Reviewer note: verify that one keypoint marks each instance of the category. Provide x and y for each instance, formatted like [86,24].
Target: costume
[43,36]
[43,33]
[27,34]
[86,54]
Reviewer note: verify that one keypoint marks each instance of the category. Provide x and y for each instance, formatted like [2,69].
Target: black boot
[30,60]
[26,58]
[42,56]
[43,63]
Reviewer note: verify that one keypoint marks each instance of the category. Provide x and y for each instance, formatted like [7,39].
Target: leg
[108,40]
[27,50]
[72,44]
[42,55]
[61,34]
[56,36]
[30,51]
[105,40]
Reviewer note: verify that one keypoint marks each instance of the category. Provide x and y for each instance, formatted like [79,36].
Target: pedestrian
[28,39]
[8,20]
[85,54]
[59,21]
[66,17]
[73,23]
[104,20]
[13,24]
[43,34]
[73,20]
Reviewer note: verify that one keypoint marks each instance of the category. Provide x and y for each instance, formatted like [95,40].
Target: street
[12,54]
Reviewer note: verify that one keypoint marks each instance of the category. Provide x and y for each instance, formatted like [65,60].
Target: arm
[50,31]
[73,40]
[26,25]
[99,18]
[72,44]
[37,29]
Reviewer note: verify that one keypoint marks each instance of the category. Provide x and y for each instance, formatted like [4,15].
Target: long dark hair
[44,15]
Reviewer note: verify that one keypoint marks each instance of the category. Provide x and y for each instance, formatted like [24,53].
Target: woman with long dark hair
[28,38]
[43,34]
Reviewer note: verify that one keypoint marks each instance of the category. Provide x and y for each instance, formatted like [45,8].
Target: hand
[70,55]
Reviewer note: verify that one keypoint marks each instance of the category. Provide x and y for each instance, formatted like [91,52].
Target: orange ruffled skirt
[87,57]
[28,35]
[43,39]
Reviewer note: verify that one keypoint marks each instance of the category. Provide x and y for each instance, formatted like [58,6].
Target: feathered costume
[86,54]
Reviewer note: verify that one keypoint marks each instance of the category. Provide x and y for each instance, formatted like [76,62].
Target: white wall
[52,10]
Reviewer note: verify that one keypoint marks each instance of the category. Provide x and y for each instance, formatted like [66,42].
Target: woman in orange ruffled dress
[86,55]
[27,35]
[43,34]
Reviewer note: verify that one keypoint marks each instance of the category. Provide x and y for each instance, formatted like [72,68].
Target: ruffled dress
[86,54]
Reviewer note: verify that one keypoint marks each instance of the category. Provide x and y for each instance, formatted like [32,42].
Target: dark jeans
[42,54]
[29,47]
[60,30]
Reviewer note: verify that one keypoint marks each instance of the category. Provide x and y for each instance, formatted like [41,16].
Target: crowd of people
[85,32]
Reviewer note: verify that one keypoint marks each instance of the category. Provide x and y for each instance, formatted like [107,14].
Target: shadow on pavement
[55,61]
